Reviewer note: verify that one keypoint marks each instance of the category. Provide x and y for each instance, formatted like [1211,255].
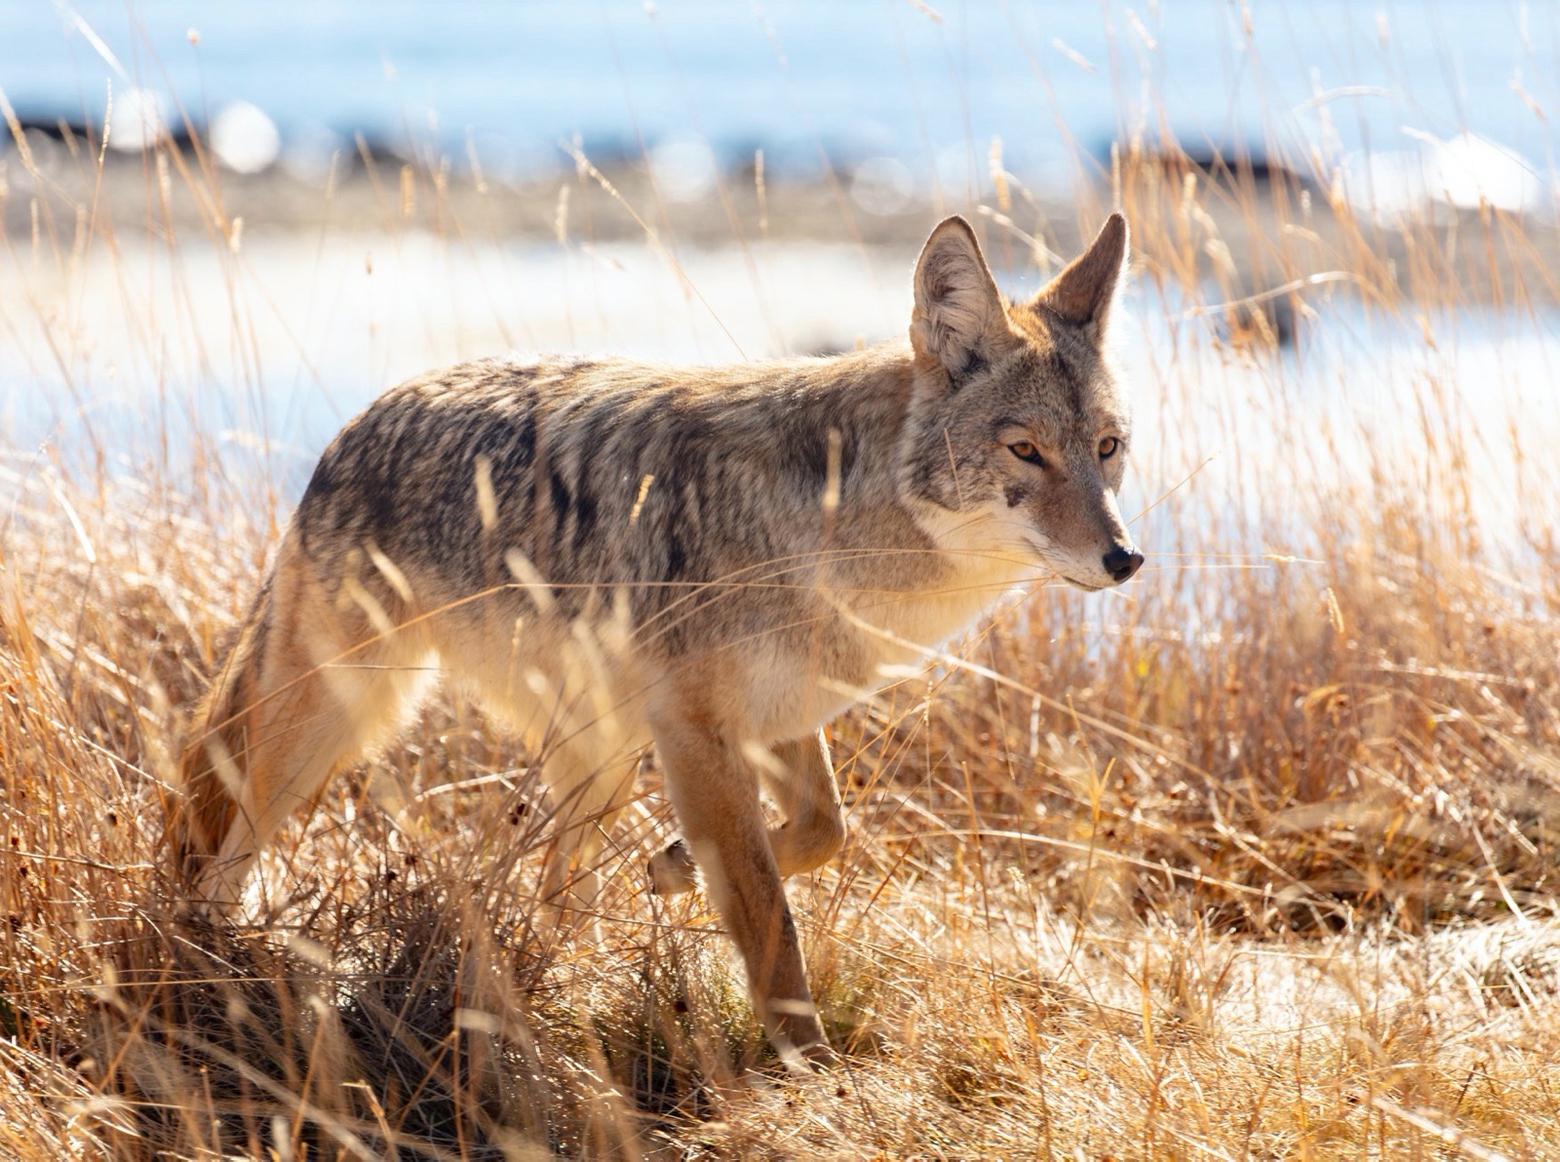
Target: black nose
[1121,563]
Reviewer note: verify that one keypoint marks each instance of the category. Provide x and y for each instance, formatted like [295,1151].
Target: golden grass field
[1255,858]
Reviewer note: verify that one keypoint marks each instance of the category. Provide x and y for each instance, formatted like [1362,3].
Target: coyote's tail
[214,763]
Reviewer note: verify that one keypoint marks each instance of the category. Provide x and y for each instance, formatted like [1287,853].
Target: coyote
[713,561]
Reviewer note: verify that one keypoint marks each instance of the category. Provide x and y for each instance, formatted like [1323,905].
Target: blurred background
[897,101]
[321,198]
[379,187]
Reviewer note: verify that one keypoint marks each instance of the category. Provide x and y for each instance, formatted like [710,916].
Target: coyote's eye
[1108,447]
[1024,450]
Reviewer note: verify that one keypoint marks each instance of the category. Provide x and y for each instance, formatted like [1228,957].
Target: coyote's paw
[802,1046]
[672,871]
[820,1057]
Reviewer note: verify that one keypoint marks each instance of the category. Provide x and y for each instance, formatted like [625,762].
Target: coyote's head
[1018,437]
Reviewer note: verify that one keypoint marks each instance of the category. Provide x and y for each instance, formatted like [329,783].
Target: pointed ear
[957,305]
[1084,292]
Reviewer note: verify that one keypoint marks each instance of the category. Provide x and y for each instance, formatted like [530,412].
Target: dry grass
[1257,859]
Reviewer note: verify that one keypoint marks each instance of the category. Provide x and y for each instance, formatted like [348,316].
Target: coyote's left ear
[1085,291]
[957,304]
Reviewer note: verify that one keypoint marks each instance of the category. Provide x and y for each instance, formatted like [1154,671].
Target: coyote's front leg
[714,791]
[801,779]
[802,783]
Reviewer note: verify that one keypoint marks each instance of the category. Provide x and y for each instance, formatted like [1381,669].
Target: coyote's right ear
[957,304]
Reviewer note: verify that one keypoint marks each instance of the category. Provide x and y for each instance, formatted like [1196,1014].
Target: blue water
[795,76]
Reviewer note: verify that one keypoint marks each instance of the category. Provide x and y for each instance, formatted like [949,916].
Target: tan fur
[712,561]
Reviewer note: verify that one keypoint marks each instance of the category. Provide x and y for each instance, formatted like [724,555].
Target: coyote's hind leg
[319,684]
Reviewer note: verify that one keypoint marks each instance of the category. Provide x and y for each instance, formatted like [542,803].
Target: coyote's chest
[913,626]
[874,639]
